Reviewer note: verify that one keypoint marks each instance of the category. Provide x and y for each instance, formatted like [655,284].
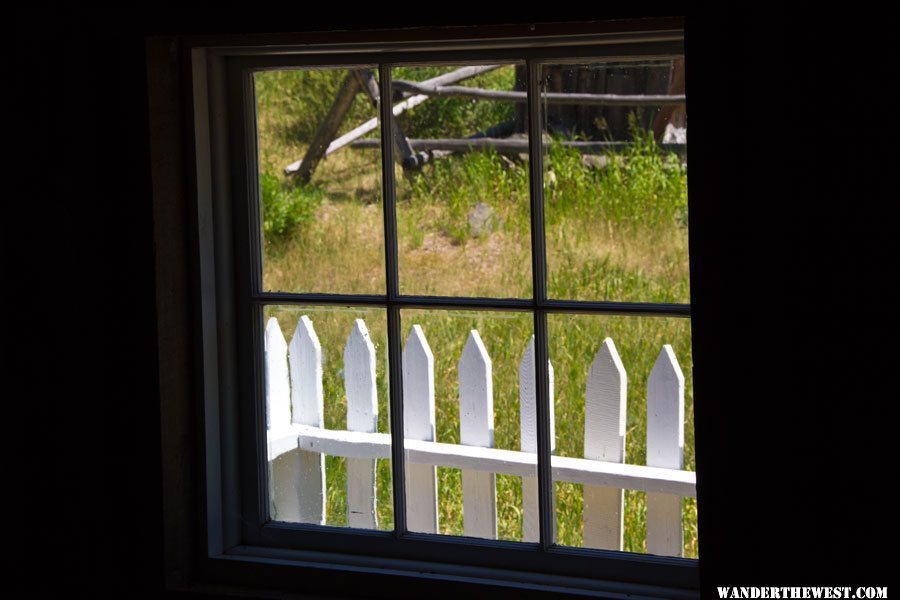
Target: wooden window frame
[238,545]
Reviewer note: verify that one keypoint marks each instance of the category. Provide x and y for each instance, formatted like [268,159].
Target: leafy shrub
[285,206]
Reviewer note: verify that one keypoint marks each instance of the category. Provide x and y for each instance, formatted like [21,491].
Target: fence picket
[604,439]
[305,359]
[665,448]
[362,415]
[476,428]
[294,394]
[284,485]
[278,387]
[528,437]
[418,424]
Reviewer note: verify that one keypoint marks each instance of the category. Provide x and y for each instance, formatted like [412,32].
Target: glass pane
[605,371]
[322,223]
[461,378]
[326,373]
[615,183]
[463,216]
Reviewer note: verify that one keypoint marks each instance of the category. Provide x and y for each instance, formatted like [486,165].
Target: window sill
[254,570]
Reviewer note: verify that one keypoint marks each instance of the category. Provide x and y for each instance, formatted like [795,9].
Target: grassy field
[616,233]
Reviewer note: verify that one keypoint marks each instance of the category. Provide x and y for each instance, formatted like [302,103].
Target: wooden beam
[508,145]
[404,154]
[550,97]
[358,444]
[400,107]
[328,128]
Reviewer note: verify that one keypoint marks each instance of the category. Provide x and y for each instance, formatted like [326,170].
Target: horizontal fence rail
[475,93]
[354,444]
[298,441]
[511,145]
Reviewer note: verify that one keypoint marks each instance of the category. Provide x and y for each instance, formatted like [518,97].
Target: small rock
[481,219]
[593,161]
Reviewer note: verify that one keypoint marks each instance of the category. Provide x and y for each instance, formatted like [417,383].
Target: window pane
[605,371]
[615,184]
[463,216]
[326,375]
[322,223]
[461,378]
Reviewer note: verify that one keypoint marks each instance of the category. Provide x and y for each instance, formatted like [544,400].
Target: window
[271,467]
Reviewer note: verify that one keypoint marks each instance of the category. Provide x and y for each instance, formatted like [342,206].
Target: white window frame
[239,544]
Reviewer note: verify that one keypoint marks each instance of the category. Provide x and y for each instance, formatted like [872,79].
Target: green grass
[617,233]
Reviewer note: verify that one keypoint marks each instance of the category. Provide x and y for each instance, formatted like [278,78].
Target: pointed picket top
[362,415]
[665,412]
[305,358]
[604,439]
[476,428]
[528,438]
[418,424]
[418,387]
[665,448]
[605,406]
[476,394]
[359,380]
[528,401]
[278,387]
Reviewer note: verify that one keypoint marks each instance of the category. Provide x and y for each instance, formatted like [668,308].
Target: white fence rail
[298,441]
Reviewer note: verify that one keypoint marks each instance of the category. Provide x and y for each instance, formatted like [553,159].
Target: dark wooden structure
[589,104]
[652,78]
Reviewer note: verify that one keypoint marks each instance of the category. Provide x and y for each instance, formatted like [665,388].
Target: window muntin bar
[549,305]
[393,286]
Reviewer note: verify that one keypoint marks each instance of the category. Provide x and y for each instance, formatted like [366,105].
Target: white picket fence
[298,441]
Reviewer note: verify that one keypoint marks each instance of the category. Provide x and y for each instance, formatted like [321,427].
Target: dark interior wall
[80,220]
[796,320]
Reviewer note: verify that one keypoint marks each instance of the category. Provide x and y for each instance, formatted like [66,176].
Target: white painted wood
[476,428]
[305,358]
[284,484]
[278,386]
[418,424]
[629,477]
[307,403]
[489,460]
[362,415]
[665,448]
[604,439]
[528,437]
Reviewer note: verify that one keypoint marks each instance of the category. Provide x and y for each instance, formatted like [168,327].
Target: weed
[284,206]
